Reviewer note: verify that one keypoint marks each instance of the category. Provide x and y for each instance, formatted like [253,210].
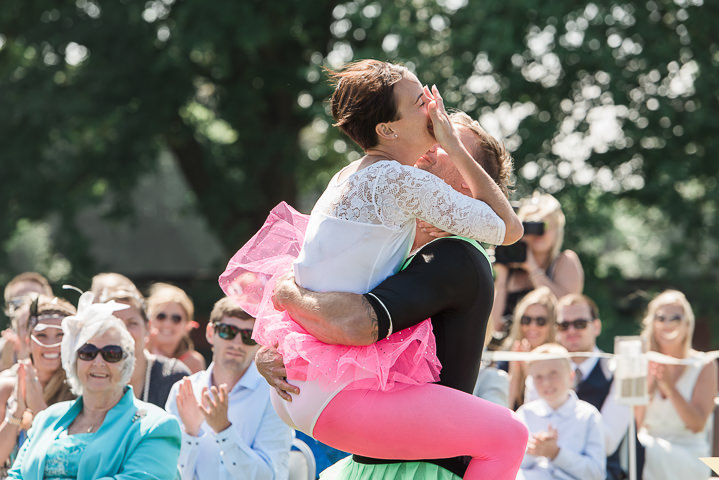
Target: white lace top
[362,227]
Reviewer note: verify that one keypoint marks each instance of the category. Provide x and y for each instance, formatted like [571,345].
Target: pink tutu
[406,357]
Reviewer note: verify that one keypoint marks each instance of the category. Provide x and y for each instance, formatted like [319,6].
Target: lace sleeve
[406,192]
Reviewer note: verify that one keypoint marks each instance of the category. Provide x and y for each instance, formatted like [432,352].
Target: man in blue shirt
[229,428]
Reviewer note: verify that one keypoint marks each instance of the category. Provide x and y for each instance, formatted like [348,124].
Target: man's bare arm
[332,317]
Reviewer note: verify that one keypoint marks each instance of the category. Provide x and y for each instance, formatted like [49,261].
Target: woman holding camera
[544,265]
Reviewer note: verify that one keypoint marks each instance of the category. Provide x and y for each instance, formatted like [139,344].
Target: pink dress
[359,233]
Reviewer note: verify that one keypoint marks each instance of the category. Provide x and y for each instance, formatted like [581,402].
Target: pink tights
[425,421]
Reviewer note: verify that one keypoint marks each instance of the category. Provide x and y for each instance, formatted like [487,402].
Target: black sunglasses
[526,320]
[578,324]
[175,317]
[110,353]
[228,332]
[673,319]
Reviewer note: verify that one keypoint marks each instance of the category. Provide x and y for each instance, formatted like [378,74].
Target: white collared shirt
[581,450]
[615,416]
[257,444]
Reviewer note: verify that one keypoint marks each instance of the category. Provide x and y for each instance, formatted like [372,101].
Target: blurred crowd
[120,347]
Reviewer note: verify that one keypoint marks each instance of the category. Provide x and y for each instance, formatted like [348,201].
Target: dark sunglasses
[110,353]
[673,319]
[526,320]
[578,324]
[228,332]
[175,317]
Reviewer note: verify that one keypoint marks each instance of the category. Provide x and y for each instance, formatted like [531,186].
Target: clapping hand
[34,392]
[659,376]
[544,444]
[215,404]
[188,409]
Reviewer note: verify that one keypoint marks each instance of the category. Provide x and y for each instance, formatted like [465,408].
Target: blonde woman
[171,313]
[32,385]
[546,264]
[534,324]
[673,425]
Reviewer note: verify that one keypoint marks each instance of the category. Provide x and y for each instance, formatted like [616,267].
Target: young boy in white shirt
[565,433]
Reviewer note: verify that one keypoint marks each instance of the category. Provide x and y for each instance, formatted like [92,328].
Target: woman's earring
[395,135]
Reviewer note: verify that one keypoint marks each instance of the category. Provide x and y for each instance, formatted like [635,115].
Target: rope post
[631,370]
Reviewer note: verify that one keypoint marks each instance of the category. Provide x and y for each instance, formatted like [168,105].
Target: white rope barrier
[656,357]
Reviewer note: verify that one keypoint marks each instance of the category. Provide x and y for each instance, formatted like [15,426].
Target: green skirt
[346,469]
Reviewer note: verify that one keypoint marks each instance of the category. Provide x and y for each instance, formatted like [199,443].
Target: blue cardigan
[136,440]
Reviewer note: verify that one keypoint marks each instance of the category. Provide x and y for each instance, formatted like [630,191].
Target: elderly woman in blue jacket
[105,433]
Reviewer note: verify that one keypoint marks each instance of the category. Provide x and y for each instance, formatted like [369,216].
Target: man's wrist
[222,427]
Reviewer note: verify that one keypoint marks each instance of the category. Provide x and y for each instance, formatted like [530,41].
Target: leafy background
[151,138]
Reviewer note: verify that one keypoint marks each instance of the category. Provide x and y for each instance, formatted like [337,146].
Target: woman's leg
[425,421]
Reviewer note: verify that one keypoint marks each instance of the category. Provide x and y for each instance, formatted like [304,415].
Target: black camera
[533,228]
[517,252]
[514,253]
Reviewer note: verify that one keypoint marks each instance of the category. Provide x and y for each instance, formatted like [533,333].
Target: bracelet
[13,420]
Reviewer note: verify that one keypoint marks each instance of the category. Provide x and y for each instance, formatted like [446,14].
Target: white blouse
[362,227]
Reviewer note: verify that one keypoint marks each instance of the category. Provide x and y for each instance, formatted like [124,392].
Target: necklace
[91,428]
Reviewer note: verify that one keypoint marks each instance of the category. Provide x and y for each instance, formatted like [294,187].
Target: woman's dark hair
[364,97]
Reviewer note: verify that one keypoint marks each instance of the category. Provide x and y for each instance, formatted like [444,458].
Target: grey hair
[93,320]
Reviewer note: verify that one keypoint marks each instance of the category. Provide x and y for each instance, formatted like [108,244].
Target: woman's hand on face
[444,132]
[215,404]
[189,410]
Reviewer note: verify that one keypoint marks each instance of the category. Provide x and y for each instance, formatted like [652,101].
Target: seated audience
[673,425]
[578,326]
[230,429]
[17,295]
[106,432]
[565,433]
[171,314]
[31,385]
[533,325]
[546,264]
[153,375]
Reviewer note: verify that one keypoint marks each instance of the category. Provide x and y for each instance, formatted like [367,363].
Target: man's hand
[215,404]
[270,365]
[431,230]
[189,410]
[544,444]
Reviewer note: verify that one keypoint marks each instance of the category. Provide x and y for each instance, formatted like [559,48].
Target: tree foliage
[611,106]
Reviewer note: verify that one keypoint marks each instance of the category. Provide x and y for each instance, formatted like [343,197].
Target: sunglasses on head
[578,324]
[526,320]
[110,353]
[175,317]
[672,319]
[228,332]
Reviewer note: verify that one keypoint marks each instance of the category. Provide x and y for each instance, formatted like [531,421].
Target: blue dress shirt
[255,447]
[580,439]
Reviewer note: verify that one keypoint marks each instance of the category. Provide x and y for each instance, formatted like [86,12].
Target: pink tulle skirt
[406,357]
